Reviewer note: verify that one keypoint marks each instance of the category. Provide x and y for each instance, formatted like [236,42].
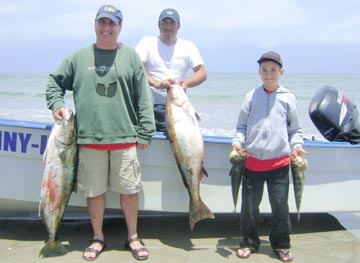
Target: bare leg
[96,206]
[129,205]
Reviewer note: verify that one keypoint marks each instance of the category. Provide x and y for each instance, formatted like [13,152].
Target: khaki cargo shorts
[99,171]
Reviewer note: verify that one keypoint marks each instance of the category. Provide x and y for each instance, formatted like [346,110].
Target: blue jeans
[252,190]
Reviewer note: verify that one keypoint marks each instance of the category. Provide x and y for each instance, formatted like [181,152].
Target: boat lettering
[21,142]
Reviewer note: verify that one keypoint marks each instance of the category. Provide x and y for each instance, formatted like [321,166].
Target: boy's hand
[299,151]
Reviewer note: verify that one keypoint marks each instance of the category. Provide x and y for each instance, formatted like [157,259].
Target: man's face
[107,30]
[168,29]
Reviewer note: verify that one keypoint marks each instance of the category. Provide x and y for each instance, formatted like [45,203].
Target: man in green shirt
[114,113]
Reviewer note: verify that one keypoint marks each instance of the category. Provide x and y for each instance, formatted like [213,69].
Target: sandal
[284,255]
[135,252]
[245,252]
[93,250]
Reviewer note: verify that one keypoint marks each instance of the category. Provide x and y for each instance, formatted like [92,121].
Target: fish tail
[52,247]
[236,174]
[203,212]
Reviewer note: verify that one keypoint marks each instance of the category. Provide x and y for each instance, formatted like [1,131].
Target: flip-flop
[93,250]
[284,255]
[135,252]
[245,252]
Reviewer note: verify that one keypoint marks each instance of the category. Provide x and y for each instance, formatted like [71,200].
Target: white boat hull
[332,177]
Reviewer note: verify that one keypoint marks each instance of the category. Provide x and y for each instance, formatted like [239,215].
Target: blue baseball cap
[169,13]
[111,12]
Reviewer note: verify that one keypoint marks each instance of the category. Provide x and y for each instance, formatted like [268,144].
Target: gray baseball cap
[169,13]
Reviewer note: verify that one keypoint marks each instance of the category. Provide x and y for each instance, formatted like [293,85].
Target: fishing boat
[332,180]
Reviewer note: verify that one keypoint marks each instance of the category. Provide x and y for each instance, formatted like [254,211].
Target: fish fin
[75,188]
[197,116]
[52,247]
[203,212]
[44,158]
[62,155]
[203,173]
[236,170]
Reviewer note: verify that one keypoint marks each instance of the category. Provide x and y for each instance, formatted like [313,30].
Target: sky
[312,36]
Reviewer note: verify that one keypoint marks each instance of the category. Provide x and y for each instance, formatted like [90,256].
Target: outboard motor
[335,116]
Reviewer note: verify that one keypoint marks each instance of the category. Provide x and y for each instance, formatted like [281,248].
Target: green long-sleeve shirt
[113,102]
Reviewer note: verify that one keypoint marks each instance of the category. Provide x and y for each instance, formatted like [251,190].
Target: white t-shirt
[163,62]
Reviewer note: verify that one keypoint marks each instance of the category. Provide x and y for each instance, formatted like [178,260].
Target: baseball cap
[170,13]
[111,12]
[271,55]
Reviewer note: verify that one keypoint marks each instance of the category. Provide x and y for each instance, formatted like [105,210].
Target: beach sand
[316,238]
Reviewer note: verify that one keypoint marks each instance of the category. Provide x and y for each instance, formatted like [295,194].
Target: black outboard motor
[335,116]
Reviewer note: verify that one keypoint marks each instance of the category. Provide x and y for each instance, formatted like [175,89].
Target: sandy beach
[316,238]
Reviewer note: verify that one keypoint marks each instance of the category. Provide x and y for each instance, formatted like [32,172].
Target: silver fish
[237,159]
[59,177]
[298,166]
[188,147]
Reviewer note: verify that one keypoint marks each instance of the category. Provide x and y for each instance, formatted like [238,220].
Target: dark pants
[252,190]
[160,119]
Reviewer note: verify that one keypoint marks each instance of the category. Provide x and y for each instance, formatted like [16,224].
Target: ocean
[217,100]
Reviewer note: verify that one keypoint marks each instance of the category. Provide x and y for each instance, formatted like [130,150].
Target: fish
[59,179]
[237,159]
[188,148]
[298,165]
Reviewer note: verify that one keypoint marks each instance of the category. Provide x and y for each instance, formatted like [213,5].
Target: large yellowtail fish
[298,166]
[59,177]
[188,147]
[237,159]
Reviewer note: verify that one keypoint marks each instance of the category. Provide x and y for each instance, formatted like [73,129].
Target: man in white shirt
[167,60]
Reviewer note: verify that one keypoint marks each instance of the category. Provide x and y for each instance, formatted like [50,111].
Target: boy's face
[270,73]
